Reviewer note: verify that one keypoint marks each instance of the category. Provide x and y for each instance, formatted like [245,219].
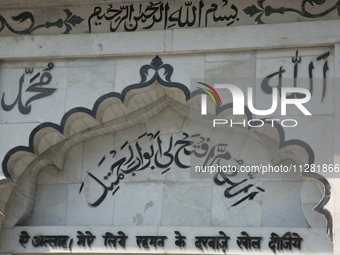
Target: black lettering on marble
[54,241]
[45,79]
[296,60]
[214,242]
[145,241]
[88,238]
[248,242]
[24,238]
[285,242]
[132,16]
[180,239]
[111,240]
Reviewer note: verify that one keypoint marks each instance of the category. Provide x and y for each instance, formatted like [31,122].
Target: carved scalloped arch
[81,124]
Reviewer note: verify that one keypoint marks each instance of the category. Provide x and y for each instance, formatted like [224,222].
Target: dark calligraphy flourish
[261,10]
[233,185]
[27,17]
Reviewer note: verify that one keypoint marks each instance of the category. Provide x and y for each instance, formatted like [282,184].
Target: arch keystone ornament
[149,146]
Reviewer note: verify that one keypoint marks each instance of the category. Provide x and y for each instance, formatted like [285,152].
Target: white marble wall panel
[91,61]
[128,135]
[178,174]
[281,205]
[87,83]
[15,207]
[310,193]
[50,205]
[317,132]
[93,155]
[79,212]
[138,204]
[72,169]
[22,132]
[49,175]
[186,204]
[230,56]
[167,121]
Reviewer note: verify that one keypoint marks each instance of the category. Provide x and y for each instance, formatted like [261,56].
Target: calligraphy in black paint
[44,79]
[157,155]
[152,152]
[27,17]
[146,16]
[261,10]
[296,60]
[221,178]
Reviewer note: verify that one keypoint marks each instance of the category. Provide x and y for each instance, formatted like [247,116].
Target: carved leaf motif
[260,3]
[258,19]
[144,72]
[168,70]
[68,28]
[157,62]
[74,20]
[252,10]
[71,20]
[68,13]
